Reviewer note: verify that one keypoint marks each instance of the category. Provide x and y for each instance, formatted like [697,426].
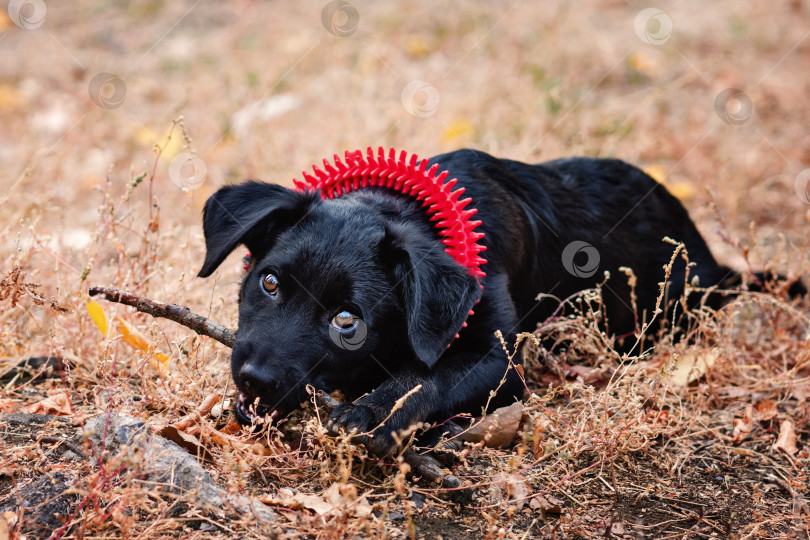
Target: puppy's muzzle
[256,401]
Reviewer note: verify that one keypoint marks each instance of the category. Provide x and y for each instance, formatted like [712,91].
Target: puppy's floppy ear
[251,213]
[435,291]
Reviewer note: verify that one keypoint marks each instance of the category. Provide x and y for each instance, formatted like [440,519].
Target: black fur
[374,253]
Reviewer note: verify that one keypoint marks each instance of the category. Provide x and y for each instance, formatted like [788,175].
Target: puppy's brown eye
[345,320]
[269,284]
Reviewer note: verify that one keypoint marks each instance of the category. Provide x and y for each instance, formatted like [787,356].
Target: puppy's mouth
[253,412]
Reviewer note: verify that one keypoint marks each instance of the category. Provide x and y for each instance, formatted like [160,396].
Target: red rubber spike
[407,174]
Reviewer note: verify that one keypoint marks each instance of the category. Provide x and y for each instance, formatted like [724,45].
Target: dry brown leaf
[339,498]
[541,422]
[512,488]
[547,503]
[7,405]
[207,404]
[801,392]
[4,529]
[743,426]
[766,409]
[786,441]
[497,429]
[692,365]
[189,443]
[57,404]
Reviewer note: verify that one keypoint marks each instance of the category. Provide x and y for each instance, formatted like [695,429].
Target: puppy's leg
[461,381]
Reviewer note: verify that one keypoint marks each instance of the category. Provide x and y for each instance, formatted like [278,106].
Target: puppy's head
[338,294]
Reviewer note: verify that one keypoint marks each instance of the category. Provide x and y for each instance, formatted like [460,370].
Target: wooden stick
[422,465]
[179,314]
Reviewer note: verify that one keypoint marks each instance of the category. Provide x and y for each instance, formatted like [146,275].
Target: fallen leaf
[458,131]
[132,337]
[541,422]
[497,429]
[189,443]
[801,392]
[57,404]
[743,426]
[4,529]
[332,501]
[691,366]
[547,503]
[682,190]
[7,405]
[656,172]
[511,488]
[207,404]
[96,312]
[786,441]
[766,409]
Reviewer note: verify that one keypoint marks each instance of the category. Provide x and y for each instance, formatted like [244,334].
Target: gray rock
[166,463]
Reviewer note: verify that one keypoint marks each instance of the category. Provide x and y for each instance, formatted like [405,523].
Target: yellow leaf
[417,46]
[458,131]
[5,21]
[171,147]
[97,314]
[644,63]
[682,190]
[10,98]
[132,337]
[657,173]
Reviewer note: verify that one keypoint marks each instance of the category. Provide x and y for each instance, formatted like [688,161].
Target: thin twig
[179,314]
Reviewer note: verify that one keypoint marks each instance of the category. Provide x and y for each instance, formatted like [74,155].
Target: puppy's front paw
[362,422]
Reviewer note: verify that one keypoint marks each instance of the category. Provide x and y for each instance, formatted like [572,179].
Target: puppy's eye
[345,320]
[269,284]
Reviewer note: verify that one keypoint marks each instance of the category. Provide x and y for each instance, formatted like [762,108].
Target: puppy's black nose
[257,381]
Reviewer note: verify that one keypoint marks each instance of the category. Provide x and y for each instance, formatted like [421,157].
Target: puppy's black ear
[436,292]
[251,213]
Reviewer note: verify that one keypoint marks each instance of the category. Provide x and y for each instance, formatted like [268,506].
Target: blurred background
[103,103]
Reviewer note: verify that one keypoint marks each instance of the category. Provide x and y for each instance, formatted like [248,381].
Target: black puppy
[358,293]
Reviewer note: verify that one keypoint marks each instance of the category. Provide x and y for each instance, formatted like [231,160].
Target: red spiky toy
[412,177]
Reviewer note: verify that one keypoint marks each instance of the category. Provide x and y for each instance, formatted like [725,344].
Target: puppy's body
[374,254]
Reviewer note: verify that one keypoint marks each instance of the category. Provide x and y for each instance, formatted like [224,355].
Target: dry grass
[608,447]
